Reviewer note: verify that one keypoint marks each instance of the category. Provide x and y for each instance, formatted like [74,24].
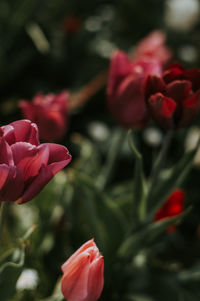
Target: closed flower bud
[49,112]
[172,206]
[26,166]
[83,278]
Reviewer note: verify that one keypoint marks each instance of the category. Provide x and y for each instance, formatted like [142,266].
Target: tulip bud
[82,278]
[172,206]
[49,112]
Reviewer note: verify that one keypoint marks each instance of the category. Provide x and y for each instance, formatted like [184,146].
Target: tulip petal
[56,153]
[11,187]
[194,76]
[28,110]
[74,283]
[25,131]
[179,90]
[129,108]
[59,157]
[162,110]
[153,84]
[5,153]
[173,73]
[120,67]
[30,158]
[190,109]
[96,279]
[90,243]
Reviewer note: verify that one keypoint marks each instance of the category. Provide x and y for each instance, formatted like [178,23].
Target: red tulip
[172,206]
[26,166]
[126,89]
[153,47]
[49,112]
[174,98]
[82,278]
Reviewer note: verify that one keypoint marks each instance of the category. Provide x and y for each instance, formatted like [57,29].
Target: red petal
[5,153]
[21,130]
[194,76]
[179,90]
[162,110]
[59,157]
[129,107]
[153,85]
[12,184]
[30,158]
[120,67]
[190,109]
[173,73]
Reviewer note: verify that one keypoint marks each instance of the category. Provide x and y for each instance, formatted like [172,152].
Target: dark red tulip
[173,206]
[49,112]
[174,98]
[26,166]
[153,47]
[126,89]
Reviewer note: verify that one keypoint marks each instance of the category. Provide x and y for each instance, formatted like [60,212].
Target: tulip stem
[2,214]
[113,153]
[157,167]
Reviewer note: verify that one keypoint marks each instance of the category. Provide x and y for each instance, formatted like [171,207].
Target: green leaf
[174,178]
[147,235]
[140,185]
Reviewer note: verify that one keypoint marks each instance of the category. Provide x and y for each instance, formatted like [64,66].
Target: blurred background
[54,45]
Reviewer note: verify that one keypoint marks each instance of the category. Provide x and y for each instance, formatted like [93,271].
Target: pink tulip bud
[49,112]
[26,166]
[82,278]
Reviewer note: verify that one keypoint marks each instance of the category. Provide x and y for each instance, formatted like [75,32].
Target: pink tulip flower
[125,91]
[82,278]
[26,166]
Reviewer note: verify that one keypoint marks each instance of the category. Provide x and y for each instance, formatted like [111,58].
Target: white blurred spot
[27,280]
[188,53]
[152,136]
[38,37]
[93,24]
[98,131]
[182,15]
[140,260]
[103,47]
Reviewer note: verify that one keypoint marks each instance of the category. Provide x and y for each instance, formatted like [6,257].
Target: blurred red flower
[83,278]
[125,89]
[49,112]
[174,97]
[71,24]
[26,166]
[174,205]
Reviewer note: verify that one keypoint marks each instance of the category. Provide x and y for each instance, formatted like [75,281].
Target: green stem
[2,214]
[155,173]
[113,153]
